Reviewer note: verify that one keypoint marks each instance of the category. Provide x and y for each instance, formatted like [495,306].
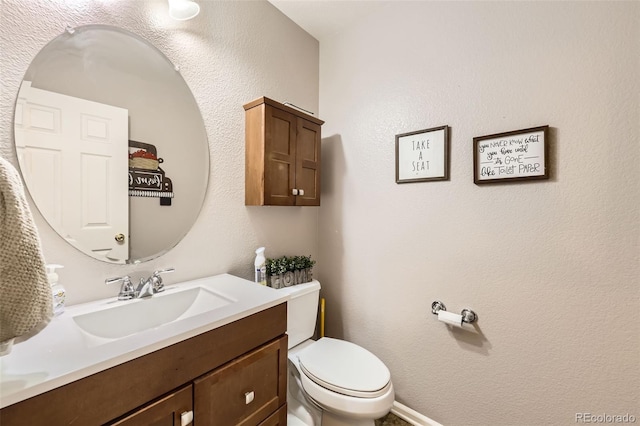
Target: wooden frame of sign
[423,155]
[511,156]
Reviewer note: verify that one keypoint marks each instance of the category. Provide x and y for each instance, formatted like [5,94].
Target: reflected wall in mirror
[97,112]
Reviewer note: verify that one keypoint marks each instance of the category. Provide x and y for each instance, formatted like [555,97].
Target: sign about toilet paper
[423,155]
[511,156]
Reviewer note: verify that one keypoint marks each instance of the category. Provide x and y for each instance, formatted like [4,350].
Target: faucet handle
[126,291]
[158,286]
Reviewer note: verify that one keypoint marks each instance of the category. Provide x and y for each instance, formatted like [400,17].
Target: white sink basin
[133,316]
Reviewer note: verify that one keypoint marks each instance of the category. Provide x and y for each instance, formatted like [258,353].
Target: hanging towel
[25,294]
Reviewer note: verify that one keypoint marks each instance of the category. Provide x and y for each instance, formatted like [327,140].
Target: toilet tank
[302,311]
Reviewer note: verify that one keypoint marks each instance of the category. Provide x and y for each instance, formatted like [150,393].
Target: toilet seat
[345,368]
[349,407]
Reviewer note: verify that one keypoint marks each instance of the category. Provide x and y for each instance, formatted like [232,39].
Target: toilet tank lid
[345,365]
[300,289]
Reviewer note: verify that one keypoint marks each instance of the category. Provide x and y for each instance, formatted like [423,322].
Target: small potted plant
[286,271]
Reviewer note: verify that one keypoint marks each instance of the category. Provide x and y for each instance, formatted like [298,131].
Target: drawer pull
[186,418]
[248,397]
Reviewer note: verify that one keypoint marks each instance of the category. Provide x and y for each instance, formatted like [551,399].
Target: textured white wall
[551,267]
[232,53]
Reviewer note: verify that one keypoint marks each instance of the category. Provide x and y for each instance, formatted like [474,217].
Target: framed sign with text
[511,156]
[423,155]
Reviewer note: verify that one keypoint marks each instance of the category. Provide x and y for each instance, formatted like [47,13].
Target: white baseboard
[412,416]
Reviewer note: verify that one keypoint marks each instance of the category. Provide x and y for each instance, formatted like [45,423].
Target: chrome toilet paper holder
[468,316]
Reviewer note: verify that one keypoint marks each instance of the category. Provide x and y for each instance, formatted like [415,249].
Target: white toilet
[331,382]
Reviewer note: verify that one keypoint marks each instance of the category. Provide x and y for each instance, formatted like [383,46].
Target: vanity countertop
[63,353]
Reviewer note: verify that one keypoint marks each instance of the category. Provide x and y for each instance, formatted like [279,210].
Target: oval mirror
[111,144]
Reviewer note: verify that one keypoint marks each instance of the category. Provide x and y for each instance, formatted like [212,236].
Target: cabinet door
[166,411]
[280,157]
[307,163]
[245,391]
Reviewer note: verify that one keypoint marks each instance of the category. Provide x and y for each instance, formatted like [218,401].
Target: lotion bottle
[260,267]
[57,290]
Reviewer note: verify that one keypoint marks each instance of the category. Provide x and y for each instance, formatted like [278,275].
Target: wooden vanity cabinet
[282,155]
[209,374]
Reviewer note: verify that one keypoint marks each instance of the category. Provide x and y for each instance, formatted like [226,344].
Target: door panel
[280,152]
[308,163]
[245,391]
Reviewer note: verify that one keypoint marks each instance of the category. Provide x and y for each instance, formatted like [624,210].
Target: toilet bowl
[331,382]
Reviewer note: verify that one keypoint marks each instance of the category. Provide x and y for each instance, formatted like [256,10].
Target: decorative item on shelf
[146,178]
[286,271]
[142,159]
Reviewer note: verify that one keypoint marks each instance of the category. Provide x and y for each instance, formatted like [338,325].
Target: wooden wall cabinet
[282,155]
[233,375]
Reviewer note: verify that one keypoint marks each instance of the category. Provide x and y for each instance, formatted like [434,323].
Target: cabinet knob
[294,191]
[248,397]
[301,192]
[186,418]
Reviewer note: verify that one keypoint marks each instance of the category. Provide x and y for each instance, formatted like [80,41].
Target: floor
[391,420]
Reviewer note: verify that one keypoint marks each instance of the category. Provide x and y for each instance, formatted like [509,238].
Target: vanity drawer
[279,418]
[167,410]
[245,391]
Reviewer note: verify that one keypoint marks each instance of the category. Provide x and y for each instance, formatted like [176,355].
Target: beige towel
[25,294]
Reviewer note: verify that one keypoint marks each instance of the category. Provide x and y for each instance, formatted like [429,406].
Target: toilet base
[329,419]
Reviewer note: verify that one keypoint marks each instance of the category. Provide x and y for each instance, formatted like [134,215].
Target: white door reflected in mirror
[74,154]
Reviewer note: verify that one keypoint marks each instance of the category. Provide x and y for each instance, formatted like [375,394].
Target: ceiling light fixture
[181,10]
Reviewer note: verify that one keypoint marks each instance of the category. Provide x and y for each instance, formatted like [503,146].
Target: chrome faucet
[152,285]
[156,279]
[146,287]
[126,291]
